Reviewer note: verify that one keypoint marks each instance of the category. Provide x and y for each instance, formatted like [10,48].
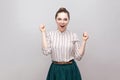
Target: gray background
[21,57]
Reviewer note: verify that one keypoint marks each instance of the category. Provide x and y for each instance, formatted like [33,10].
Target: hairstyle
[62,9]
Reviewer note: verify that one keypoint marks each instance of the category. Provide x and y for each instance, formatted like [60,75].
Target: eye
[65,19]
[59,19]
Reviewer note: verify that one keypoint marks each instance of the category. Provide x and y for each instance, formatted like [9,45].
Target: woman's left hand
[85,36]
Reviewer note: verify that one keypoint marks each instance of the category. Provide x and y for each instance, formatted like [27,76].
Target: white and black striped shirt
[63,46]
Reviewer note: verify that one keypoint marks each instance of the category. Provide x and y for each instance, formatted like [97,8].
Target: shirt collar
[62,32]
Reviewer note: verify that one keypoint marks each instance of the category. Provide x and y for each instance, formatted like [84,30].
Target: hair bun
[62,8]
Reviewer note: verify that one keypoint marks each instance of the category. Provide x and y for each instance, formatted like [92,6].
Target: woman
[63,46]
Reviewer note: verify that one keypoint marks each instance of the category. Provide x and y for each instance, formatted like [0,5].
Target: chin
[62,30]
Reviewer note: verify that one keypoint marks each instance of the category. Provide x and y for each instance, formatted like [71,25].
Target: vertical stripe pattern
[62,46]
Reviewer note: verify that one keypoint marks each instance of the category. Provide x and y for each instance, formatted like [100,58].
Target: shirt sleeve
[76,42]
[47,50]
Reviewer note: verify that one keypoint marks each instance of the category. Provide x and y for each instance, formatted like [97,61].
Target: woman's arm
[44,40]
[83,44]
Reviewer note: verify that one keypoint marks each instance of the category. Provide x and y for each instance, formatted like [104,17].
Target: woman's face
[62,21]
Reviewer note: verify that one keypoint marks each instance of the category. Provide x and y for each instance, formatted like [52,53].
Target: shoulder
[51,32]
[74,36]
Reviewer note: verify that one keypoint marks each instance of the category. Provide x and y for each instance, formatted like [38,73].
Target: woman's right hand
[42,28]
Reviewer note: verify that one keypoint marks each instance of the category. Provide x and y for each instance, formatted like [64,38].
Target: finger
[85,34]
[42,26]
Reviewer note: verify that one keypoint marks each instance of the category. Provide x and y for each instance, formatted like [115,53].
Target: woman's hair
[62,9]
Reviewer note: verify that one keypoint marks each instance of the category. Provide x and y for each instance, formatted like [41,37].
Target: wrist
[84,41]
[43,32]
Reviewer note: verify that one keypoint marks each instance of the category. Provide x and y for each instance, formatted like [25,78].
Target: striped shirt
[63,46]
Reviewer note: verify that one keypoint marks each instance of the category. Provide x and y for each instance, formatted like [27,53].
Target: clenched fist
[85,36]
[42,28]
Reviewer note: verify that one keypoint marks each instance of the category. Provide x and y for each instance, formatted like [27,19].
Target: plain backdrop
[21,56]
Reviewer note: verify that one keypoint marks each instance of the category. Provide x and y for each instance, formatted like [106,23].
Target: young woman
[64,47]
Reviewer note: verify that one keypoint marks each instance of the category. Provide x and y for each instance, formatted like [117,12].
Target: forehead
[62,15]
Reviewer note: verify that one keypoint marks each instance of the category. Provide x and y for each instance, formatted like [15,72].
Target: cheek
[66,22]
[57,22]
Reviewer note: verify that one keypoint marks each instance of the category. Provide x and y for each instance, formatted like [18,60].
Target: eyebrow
[61,18]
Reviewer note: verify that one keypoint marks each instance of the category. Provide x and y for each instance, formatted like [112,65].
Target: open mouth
[62,26]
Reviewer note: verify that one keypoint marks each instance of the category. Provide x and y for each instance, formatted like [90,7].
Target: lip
[62,26]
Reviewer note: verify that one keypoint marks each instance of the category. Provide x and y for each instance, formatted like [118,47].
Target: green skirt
[64,72]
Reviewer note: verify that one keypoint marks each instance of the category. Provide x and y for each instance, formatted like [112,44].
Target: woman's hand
[85,36]
[42,28]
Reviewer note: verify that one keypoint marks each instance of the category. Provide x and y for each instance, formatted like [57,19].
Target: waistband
[62,62]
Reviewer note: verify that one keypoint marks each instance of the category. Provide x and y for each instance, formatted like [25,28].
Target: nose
[62,21]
